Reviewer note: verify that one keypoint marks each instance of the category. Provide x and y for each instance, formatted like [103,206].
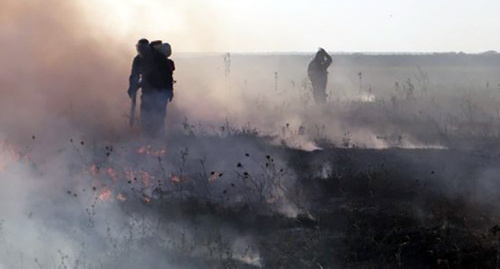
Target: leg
[322,89]
[319,89]
[147,113]
[159,110]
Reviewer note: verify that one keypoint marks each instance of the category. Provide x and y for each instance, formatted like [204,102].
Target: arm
[328,59]
[134,77]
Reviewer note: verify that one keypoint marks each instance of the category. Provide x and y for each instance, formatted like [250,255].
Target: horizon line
[370,53]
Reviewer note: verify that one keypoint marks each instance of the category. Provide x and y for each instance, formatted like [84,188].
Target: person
[152,72]
[318,75]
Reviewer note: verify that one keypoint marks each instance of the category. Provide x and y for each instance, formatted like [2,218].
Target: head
[320,55]
[142,46]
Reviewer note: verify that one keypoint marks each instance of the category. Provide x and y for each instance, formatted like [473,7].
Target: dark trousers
[154,110]
[319,87]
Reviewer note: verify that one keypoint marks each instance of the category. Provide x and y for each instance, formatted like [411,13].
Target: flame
[120,197]
[93,170]
[146,178]
[112,174]
[104,194]
[213,177]
[175,179]
[148,150]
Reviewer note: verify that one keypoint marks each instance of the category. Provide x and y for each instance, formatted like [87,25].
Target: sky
[303,25]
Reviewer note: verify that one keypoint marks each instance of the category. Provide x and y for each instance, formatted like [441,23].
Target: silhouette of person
[318,75]
[152,72]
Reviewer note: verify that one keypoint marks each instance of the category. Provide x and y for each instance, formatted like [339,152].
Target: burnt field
[267,206]
[400,169]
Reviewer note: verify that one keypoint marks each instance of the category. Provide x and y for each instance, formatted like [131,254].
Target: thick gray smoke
[72,170]
[63,104]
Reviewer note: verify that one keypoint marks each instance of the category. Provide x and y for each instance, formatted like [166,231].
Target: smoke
[78,186]
[56,74]
[64,71]
[62,96]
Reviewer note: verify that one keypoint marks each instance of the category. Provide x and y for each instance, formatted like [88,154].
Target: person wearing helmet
[318,75]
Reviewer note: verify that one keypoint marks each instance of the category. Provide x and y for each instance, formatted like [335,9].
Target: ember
[112,174]
[146,178]
[93,170]
[213,177]
[120,197]
[148,150]
[175,179]
[104,194]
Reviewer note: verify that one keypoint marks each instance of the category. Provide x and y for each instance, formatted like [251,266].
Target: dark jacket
[161,75]
[318,66]
[142,66]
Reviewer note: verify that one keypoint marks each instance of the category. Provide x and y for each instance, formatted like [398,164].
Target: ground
[398,170]
[347,208]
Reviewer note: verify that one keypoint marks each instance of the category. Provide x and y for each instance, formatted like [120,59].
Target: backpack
[160,75]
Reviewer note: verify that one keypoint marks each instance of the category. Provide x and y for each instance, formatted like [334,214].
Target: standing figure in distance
[318,75]
[152,72]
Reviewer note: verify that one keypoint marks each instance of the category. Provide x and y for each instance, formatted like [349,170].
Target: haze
[302,26]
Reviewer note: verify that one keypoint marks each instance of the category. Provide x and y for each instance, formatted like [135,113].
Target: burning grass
[264,206]
[413,190]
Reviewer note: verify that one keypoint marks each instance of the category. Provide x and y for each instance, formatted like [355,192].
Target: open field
[400,169]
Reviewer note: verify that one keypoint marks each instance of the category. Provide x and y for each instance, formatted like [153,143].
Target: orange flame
[93,170]
[146,178]
[104,194]
[120,197]
[175,179]
[213,177]
[148,150]
[112,174]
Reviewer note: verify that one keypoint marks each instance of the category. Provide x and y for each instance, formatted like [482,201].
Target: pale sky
[302,25]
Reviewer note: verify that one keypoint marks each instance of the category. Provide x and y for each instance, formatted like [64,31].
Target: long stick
[132,110]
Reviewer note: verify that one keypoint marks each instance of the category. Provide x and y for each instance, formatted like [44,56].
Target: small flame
[104,194]
[146,178]
[112,174]
[120,197]
[148,150]
[175,179]
[93,170]
[213,177]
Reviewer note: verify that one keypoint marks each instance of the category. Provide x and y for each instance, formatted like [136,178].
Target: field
[400,169]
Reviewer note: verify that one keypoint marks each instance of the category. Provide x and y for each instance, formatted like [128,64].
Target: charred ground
[399,169]
[352,207]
